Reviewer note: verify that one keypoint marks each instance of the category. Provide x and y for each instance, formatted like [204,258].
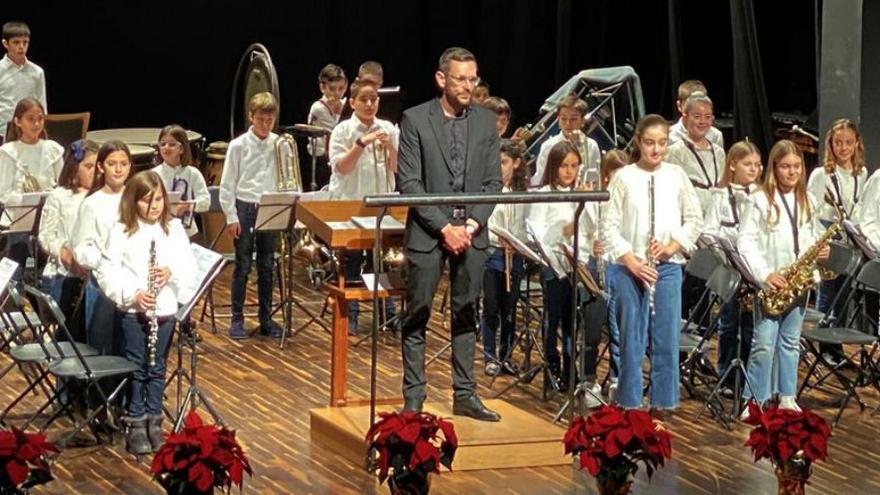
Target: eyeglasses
[472,81]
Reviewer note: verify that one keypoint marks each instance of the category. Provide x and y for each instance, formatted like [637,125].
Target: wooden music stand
[331,222]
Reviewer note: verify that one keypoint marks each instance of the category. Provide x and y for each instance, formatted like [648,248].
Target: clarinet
[650,259]
[153,336]
[600,261]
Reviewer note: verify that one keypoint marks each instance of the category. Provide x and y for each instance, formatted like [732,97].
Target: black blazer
[424,167]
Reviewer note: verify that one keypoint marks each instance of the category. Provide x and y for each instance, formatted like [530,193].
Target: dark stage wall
[149,64]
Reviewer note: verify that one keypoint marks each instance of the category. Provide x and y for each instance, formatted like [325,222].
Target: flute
[651,287]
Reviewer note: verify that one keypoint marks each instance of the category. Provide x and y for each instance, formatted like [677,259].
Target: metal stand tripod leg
[194,396]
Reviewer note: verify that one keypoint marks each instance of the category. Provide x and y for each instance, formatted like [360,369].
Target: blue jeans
[499,304]
[265,244]
[147,383]
[52,286]
[731,320]
[637,332]
[352,263]
[613,330]
[557,310]
[102,322]
[828,291]
[773,360]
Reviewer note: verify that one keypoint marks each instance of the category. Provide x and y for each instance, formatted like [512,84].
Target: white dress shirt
[321,116]
[725,212]
[366,177]
[43,160]
[849,185]
[677,132]
[767,246]
[677,214]
[188,180]
[124,269]
[703,176]
[593,159]
[18,82]
[56,226]
[867,212]
[248,172]
[98,213]
[546,221]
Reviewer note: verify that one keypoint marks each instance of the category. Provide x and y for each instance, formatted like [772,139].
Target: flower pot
[612,486]
[409,484]
[792,477]
[184,488]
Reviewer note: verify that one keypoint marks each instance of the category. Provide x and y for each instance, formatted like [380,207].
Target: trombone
[393,258]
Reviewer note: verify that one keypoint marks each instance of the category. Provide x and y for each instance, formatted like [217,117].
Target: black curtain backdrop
[149,64]
[751,111]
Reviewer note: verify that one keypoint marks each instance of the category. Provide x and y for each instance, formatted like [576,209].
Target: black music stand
[210,264]
[25,219]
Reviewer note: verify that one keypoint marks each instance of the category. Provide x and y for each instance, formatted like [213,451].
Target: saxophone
[800,276]
[153,336]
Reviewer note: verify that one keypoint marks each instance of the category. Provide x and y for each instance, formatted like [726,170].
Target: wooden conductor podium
[325,220]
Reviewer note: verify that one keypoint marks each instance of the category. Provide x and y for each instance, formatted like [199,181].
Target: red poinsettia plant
[200,455]
[408,445]
[24,460]
[612,442]
[780,434]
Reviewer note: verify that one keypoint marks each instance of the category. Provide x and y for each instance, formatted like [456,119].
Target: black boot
[136,440]
[566,373]
[554,374]
[154,432]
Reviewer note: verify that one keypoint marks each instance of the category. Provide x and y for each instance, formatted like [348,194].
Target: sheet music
[315,196]
[388,223]
[863,243]
[19,217]
[343,225]
[275,211]
[208,265]
[518,245]
[7,269]
[739,263]
[385,282]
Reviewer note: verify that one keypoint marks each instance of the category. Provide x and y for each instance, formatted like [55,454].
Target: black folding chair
[868,279]
[697,327]
[844,261]
[85,372]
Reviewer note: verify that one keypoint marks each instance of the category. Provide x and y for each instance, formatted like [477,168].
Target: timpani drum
[215,157]
[142,137]
[142,157]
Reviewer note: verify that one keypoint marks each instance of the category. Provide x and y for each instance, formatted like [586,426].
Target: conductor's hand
[455,238]
[776,281]
[234,229]
[143,301]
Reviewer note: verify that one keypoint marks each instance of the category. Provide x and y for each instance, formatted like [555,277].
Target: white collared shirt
[712,159]
[124,269]
[367,177]
[677,214]
[190,181]
[18,82]
[509,216]
[867,212]
[43,160]
[248,172]
[321,116]
[592,161]
[721,219]
[822,183]
[677,132]
[768,245]
[97,214]
[56,226]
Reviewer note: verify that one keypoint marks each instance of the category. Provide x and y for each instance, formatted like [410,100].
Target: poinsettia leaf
[192,420]
[17,471]
[591,463]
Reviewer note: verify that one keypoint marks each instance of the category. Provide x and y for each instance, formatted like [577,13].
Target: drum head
[256,74]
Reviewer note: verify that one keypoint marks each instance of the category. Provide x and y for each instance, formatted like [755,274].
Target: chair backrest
[843,260]
[702,263]
[66,128]
[869,275]
[724,282]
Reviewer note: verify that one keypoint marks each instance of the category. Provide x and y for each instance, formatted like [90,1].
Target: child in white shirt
[326,113]
[570,114]
[179,174]
[19,77]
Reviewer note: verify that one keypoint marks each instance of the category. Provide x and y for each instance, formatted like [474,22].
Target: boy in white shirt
[326,113]
[677,131]
[249,171]
[363,160]
[19,77]
[570,114]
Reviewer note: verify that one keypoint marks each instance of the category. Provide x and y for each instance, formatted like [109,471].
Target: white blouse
[546,221]
[677,214]
[366,177]
[43,160]
[56,226]
[97,215]
[124,270]
[769,247]
[867,212]
[703,166]
[509,216]
[725,212]
[593,160]
[848,185]
[191,183]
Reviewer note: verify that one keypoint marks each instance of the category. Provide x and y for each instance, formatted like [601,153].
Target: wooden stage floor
[265,394]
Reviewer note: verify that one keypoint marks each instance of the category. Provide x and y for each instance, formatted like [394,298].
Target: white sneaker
[593,396]
[612,392]
[788,402]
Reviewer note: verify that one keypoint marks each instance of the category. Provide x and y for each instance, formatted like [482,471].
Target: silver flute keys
[648,258]
[153,289]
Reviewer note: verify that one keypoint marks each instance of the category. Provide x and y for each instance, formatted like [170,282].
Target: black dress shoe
[473,407]
[412,405]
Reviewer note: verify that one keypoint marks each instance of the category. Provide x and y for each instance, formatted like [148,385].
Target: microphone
[798,129]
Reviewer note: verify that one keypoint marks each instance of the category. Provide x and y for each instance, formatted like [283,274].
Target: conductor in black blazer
[447,146]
